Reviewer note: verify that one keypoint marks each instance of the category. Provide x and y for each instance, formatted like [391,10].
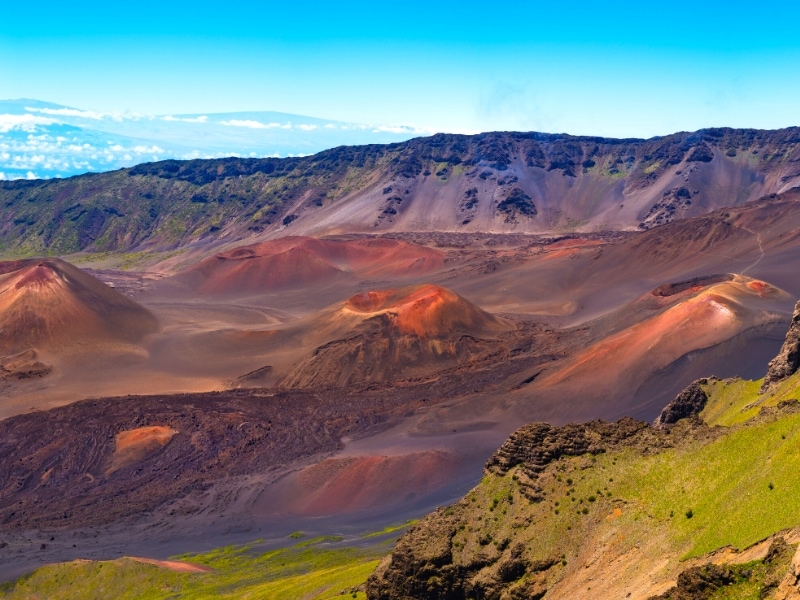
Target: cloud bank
[59,141]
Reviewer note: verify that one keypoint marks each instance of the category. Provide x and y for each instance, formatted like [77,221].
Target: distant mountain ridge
[494,182]
[45,140]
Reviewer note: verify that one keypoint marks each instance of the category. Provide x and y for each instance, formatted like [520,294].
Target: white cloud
[88,114]
[254,124]
[148,149]
[22,122]
[330,126]
[69,112]
[403,129]
[307,127]
[200,119]
[31,175]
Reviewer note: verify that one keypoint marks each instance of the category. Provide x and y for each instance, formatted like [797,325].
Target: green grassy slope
[663,498]
[316,570]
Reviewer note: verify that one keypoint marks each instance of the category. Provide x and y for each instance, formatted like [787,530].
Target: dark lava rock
[518,202]
[701,153]
[538,444]
[699,583]
[688,403]
[54,464]
[788,360]
[670,289]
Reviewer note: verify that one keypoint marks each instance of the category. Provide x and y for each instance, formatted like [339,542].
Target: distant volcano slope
[663,335]
[405,332]
[50,305]
[294,262]
[499,182]
[581,277]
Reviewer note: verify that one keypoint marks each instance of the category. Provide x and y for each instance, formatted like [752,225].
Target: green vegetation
[731,401]
[392,529]
[734,401]
[319,569]
[731,486]
[652,168]
[123,261]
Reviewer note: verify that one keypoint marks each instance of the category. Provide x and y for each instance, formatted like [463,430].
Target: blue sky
[601,68]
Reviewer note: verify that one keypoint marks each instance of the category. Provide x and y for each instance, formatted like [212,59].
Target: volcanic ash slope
[297,262]
[394,333]
[50,305]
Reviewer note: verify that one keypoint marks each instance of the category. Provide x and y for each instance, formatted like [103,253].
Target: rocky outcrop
[538,444]
[789,587]
[688,403]
[703,581]
[422,567]
[699,583]
[788,360]
[429,561]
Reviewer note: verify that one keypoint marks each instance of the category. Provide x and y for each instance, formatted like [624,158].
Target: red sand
[426,311]
[296,261]
[134,445]
[340,485]
[701,318]
[759,287]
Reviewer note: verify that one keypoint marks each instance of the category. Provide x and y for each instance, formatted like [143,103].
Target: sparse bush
[689,513]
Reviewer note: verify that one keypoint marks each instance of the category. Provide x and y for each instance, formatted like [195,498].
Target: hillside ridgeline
[515,182]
